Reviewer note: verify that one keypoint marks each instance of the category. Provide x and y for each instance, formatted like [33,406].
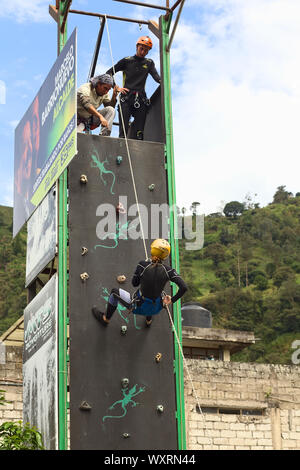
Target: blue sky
[235,87]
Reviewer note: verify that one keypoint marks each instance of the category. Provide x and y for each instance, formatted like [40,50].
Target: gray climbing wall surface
[122,383]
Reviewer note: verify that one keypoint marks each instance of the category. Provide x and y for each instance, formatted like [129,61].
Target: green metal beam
[166,77]
[62,276]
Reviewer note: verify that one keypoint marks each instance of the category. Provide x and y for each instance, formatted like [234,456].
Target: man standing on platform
[134,101]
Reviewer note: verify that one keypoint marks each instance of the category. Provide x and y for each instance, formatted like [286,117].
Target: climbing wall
[122,383]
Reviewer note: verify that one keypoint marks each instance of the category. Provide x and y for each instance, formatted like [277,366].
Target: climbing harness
[137,98]
[144,306]
[127,148]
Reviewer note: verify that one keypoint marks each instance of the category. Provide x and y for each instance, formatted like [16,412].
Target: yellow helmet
[160,248]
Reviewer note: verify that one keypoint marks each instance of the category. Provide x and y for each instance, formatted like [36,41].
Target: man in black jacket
[151,277]
[134,101]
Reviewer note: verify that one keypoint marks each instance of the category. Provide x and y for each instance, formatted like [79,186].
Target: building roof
[192,336]
[14,336]
[231,340]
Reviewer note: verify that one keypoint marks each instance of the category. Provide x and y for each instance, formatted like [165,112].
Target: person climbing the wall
[90,96]
[150,277]
[134,101]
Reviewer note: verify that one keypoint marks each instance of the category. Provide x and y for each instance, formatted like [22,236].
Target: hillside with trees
[247,273]
[12,270]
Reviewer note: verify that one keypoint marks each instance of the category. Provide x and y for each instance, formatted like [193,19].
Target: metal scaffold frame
[162,31]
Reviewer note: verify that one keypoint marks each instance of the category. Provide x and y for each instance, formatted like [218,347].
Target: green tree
[270,269]
[2,397]
[233,209]
[282,274]
[216,252]
[225,236]
[224,275]
[281,195]
[15,436]
[261,282]
[194,207]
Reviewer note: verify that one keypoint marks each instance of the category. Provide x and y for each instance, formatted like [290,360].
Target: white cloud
[236,101]
[2,92]
[7,190]
[25,10]
[14,123]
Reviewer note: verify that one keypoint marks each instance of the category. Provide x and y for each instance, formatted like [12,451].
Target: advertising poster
[46,138]
[41,237]
[40,370]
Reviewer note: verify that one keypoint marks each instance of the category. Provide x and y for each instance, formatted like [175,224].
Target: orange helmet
[145,41]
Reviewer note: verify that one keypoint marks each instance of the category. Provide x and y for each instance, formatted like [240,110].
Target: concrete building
[229,405]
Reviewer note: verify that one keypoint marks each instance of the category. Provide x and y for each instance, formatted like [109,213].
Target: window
[202,353]
[231,411]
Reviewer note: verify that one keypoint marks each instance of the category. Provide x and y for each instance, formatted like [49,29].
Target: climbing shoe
[99,316]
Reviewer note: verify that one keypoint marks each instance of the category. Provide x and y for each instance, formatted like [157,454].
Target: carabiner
[136,103]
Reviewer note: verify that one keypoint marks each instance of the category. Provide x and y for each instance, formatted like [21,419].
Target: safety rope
[127,146]
[143,236]
[185,362]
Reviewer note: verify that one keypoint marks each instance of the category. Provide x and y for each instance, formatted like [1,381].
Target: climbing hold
[126,435]
[123,330]
[151,187]
[119,160]
[125,382]
[84,277]
[85,406]
[120,208]
[84,250]
[83,179]
[158,357]
[160,408]
[121,279]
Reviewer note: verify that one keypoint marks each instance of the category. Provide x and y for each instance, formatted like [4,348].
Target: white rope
[185,362]
[126,143]
[137,203]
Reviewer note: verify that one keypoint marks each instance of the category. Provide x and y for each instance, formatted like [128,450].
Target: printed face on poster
[46,137]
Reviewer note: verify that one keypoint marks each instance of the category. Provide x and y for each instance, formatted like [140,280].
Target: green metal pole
[169,150]
[62,280]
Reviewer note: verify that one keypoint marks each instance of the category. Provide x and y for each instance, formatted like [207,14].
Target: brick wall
[11,383]
[222,389]
[242,406]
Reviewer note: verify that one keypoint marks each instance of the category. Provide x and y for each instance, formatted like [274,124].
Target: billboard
[41,237]
[40,369]
[46,137]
